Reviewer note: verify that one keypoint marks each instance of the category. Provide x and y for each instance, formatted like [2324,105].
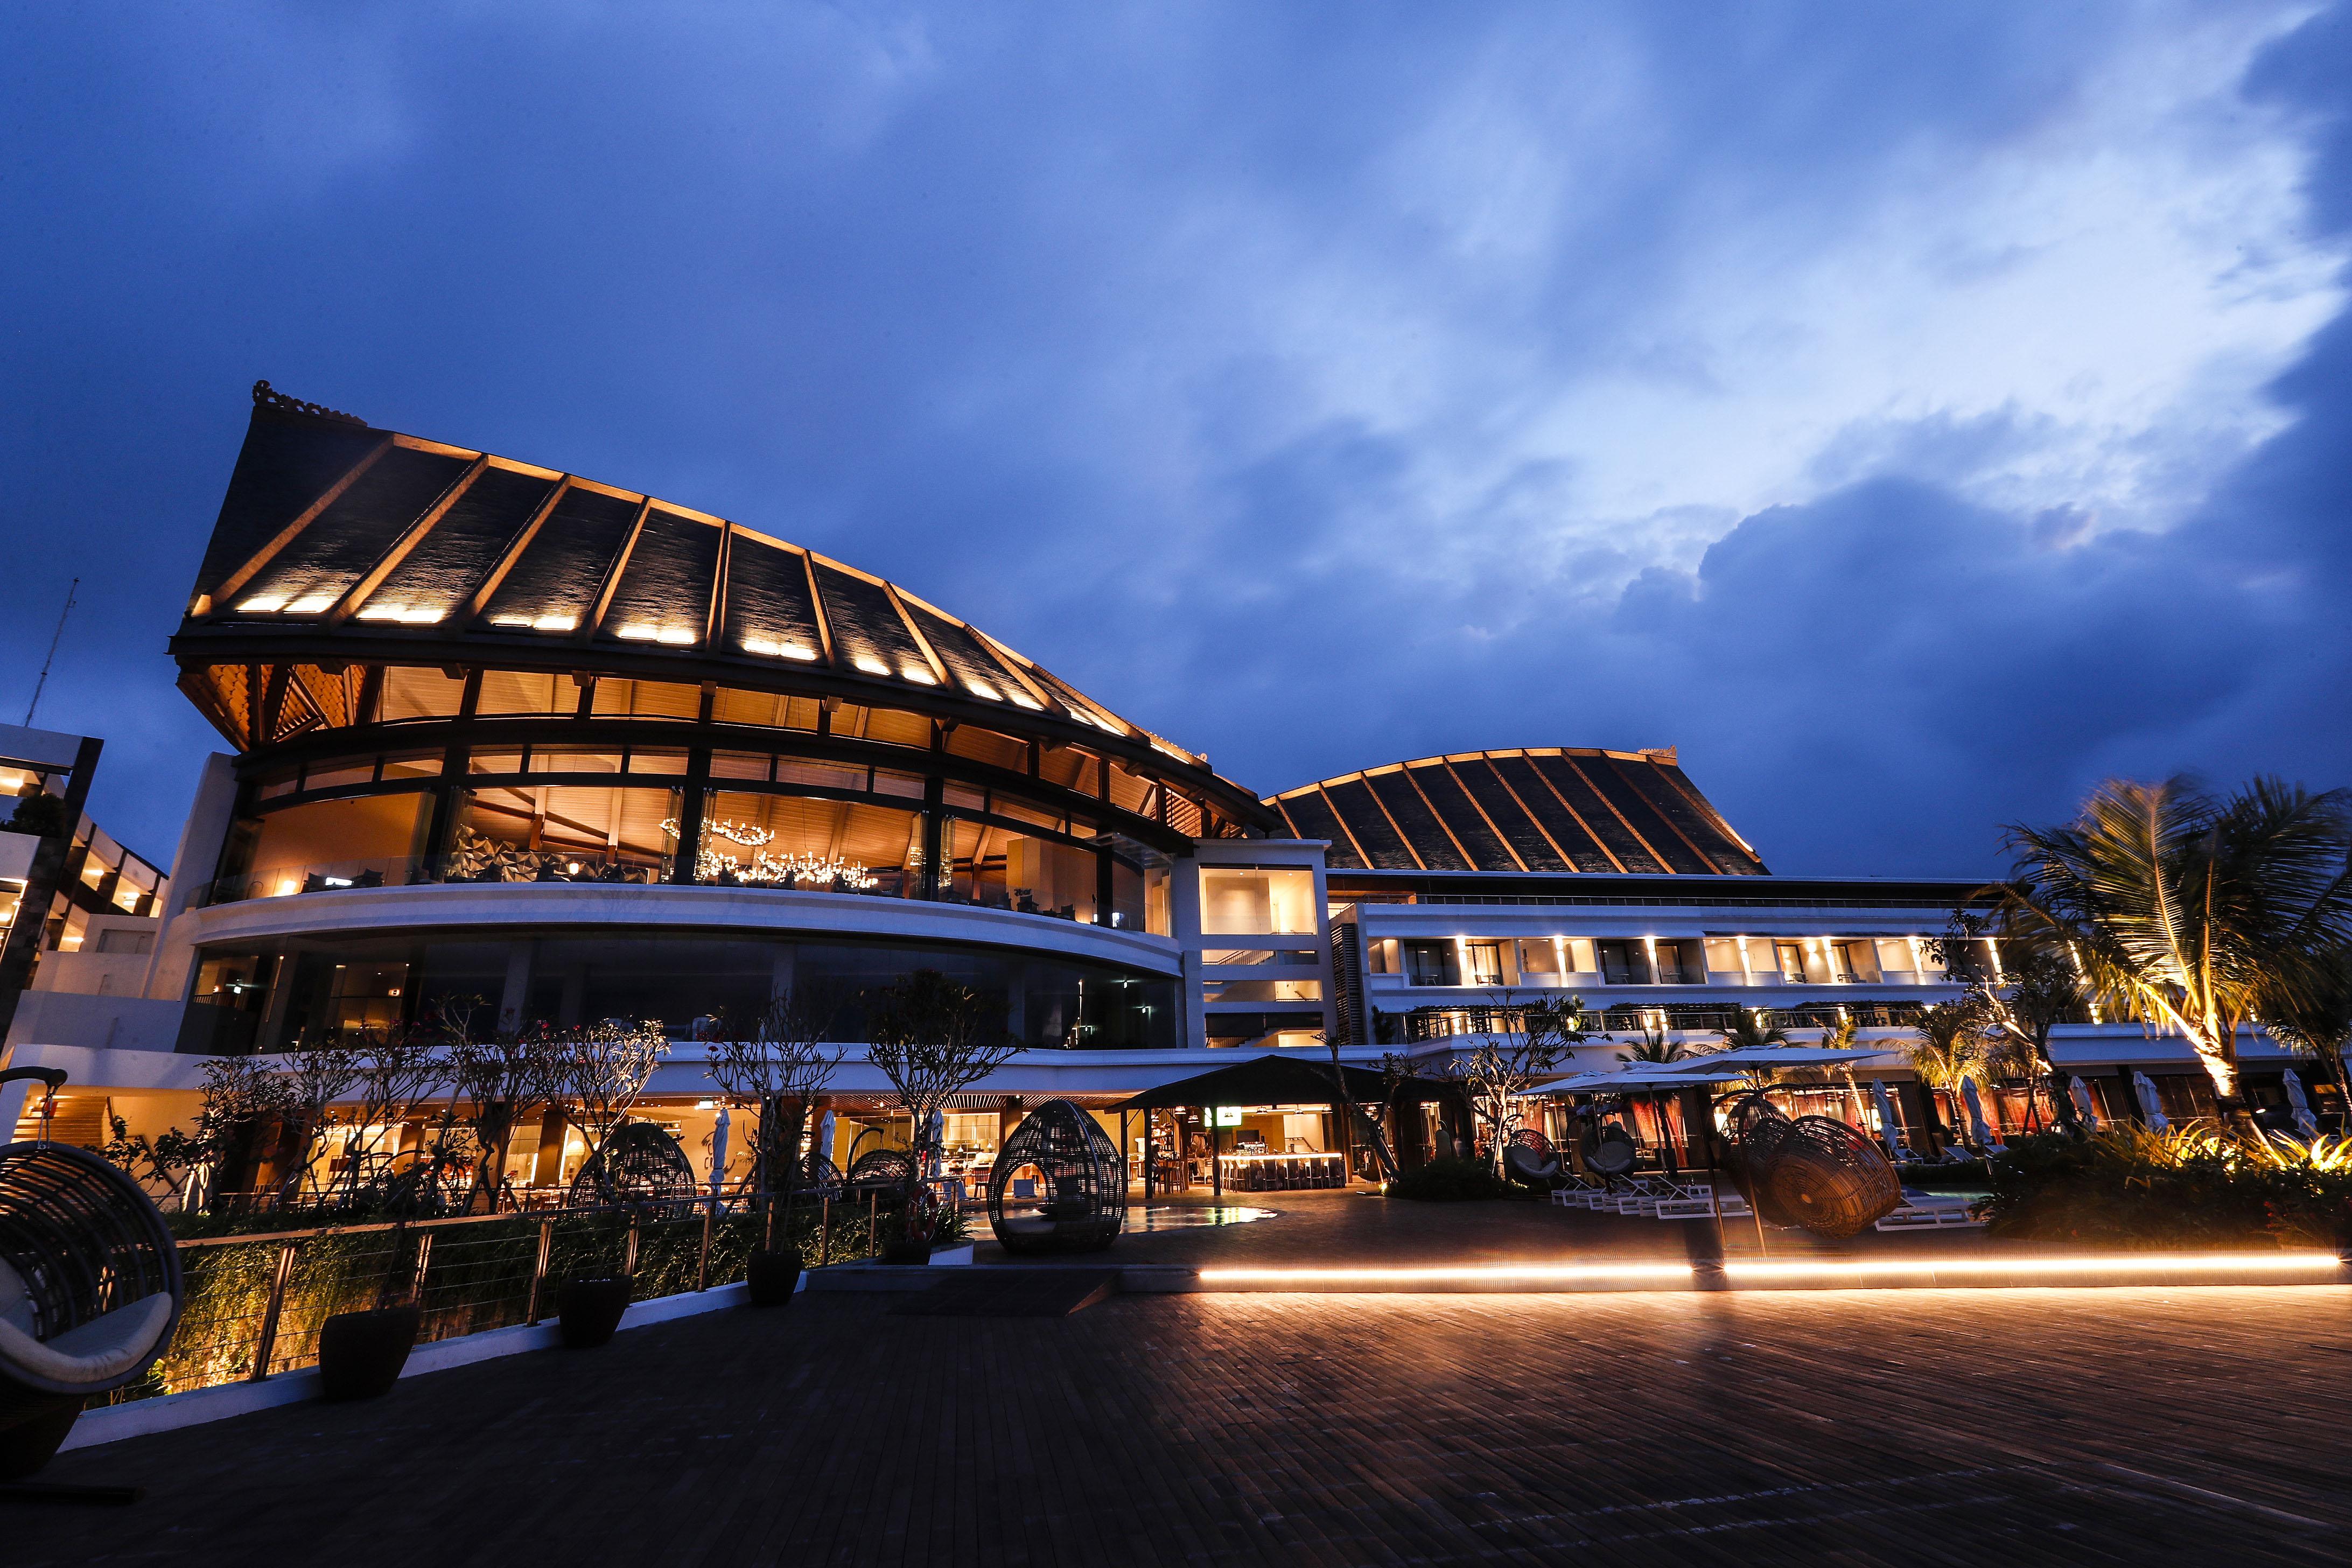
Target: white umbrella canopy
[719,1152]
[2079,1092]
[2151,1106]
[2305,1121]
[1888,1122]
[1981,1129]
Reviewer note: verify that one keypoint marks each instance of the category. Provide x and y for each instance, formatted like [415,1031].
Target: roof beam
[285,536]
[1500,836]
[930,655]
[493,580]
[594,619]
[817,603]
[714,624]
[1573,815]
[357,594]
[1566,859]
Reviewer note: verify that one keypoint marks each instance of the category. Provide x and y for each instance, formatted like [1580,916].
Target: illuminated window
[1257,903]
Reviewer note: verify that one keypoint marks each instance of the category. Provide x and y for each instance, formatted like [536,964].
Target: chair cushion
[16,1302]
[104,1349]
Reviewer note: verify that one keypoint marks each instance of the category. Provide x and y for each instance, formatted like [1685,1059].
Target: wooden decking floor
[1911,1428]
[1012,1293]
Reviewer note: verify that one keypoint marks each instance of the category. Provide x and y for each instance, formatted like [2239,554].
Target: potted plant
[362,1354]
[588,1308]
[600,1071]
[781,1070]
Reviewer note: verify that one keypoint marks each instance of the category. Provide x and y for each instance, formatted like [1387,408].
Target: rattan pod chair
[1832,1178]
[90,1288]
[1756,1131]
[1530,1159]
[1081,1179]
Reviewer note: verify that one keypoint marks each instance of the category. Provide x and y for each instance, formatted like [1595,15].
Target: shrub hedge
[2128,1187]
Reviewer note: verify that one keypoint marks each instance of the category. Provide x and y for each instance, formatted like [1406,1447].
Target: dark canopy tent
[1281,1081]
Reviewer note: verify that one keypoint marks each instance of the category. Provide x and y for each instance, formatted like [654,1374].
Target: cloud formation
[1915,417]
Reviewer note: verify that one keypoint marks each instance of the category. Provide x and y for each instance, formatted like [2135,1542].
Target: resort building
[509,745]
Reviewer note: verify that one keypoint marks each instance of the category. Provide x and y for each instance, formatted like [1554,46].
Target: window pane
[1255,903]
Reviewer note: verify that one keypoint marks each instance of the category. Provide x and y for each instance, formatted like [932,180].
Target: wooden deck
[1911,1428]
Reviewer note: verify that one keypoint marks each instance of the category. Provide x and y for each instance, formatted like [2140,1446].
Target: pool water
[1172,1217]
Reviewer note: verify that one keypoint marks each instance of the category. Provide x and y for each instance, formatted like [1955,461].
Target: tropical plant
[779,1071]
[600,1071]
[320,1070]
[2033,985]
[1654,1046]
[2191,913]
[933,1039]
[2316,1023]
[1525,1043]
[1749,1031]
[1946,1044]
[501,1080]
[2128,1185]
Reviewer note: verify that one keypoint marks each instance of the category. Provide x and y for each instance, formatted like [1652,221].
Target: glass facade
[348,988]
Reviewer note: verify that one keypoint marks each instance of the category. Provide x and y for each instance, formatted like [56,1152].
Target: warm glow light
[265,605]
[402,614]
[556,623]
[635,631]
[311,604]
[1767,1269]
[674,636]
[767,647]
[1464,1274]
[980,689]
[510,620]
[870,665]
[2094,1263]
[1023,699]
[920,676]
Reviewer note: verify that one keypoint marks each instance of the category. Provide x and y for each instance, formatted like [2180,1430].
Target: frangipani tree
[780,1070]
[1528,1043]
[2191,913]
[933,1038]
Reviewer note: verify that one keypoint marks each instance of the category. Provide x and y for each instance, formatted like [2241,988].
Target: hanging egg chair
[1530,1160]
[1832,1179]
[638,1164]
[90,1288]
[1059,1183]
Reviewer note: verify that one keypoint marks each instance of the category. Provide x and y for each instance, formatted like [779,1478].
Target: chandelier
[764,869]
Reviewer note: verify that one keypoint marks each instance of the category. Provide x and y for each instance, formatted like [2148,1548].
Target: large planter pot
[361,1353]
[774,1277]
[28,1444]
[911,1252]
[590,1310]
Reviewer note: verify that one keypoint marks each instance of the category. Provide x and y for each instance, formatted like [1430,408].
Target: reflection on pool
[1172,1217]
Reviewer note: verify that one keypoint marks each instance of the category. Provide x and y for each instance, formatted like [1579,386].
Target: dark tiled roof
[1542,809]
[332,528]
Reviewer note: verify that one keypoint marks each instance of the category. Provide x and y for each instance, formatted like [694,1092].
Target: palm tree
[1748,1031]
[1946,1044]
[2194,914]
[2318,1023]
[1656,1047]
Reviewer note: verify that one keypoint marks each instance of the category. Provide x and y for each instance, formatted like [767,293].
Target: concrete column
[516,995]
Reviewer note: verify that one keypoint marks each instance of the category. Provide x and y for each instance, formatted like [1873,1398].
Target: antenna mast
[31,707]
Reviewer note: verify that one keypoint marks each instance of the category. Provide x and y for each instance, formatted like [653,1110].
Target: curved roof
[340,541]
[1539,808]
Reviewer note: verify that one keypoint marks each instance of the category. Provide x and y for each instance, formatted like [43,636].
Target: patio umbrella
[1888,1122]
[2305,1121]
[2149,1106]
[718,1153]
[2081,1092]
[1979,1127]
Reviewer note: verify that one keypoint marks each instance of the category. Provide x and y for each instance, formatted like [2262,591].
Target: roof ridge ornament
[267,397]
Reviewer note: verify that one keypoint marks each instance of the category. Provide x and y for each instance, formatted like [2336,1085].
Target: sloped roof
[336,533]
[1539,809]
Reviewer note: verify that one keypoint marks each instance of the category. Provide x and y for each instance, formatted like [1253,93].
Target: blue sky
[1916,413]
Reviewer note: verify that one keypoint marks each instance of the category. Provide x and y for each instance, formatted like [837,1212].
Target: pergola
[1275,1079]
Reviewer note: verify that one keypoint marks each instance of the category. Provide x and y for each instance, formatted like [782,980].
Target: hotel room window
[1485,962]
[1791,955]
[1623,964]
[1678,964]
[1432,963]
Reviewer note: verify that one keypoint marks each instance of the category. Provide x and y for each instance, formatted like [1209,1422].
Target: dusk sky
[1915,412]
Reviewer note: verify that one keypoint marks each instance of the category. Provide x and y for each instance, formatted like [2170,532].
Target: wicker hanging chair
[90,1288]
[638,1164]
[1609,1150]
[1530,1159]
[1832,1179]
[1812,1173]
[880,1173]
[1058,1184]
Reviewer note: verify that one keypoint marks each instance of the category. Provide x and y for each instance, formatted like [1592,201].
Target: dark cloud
[1196,352]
